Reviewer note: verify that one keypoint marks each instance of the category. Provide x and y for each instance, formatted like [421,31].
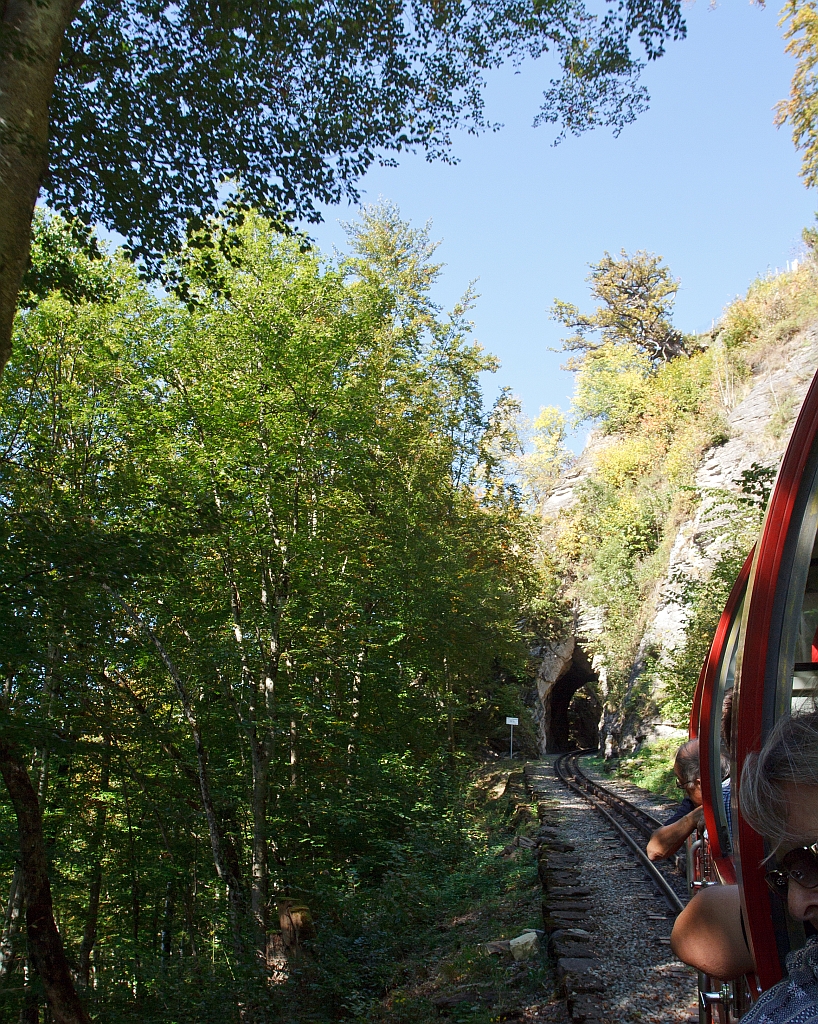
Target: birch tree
[251,533]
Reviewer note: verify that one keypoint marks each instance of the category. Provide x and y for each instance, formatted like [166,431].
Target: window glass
[720,789]
[805,673]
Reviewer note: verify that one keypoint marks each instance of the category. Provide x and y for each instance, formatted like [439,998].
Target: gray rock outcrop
[772,396]
[760,413]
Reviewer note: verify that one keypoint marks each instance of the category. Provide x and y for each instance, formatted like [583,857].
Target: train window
[805,668]
[715,732]
[732,647]
[720,795]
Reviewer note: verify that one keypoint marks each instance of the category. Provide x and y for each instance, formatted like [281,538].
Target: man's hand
[666,840]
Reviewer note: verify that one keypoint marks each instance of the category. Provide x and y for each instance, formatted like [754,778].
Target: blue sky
[703,178]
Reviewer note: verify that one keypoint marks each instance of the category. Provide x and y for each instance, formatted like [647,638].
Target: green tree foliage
[66,257]
[737,517]
[799,18]
[612,386]
[151,118]
[258,600]
[548,456]
[155,105]
[637,295]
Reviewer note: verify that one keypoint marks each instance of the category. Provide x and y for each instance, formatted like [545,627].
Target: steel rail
[655,876]
[646,823]
[637,816]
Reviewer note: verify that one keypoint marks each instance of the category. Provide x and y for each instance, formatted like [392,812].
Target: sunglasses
[800,865]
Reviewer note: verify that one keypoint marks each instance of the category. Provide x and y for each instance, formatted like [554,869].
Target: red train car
[778,666]
[710,855]
[766,649]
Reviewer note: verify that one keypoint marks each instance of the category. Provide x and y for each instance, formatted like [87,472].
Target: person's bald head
[687,761]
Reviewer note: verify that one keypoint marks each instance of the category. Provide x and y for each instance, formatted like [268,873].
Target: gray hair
[790,754]
[687,761]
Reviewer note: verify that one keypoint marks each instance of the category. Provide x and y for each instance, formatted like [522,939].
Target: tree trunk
[190,919]
[293,754]
[32,33]
[30,1010]
[167,924]
[44,942]
[136,894]
[224,856]
[449,712]
[89,935]
[352,747]
[11,924]
[258,893]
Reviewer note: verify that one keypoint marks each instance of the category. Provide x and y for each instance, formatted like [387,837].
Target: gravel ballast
[640,979]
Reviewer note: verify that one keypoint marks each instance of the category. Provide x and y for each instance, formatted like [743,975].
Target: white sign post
[512,722]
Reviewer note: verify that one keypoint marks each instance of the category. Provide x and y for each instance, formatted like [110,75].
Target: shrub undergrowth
[651,768]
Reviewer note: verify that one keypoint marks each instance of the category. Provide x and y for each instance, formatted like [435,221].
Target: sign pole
[512,722]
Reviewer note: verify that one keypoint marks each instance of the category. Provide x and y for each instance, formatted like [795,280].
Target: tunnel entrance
[574,709]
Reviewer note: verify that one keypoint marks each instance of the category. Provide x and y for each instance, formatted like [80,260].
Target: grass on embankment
[651,768]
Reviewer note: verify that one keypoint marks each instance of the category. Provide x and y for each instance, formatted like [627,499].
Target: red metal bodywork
[709,718]
[753,676]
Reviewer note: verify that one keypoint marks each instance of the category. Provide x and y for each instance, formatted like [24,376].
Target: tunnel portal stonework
[567,710]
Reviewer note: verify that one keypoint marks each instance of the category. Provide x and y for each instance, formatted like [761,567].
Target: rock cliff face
[760,416]
[772,398]
[563,496]
[564,719]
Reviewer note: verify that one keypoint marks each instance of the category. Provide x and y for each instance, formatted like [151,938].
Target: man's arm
[708,934]
[666,840]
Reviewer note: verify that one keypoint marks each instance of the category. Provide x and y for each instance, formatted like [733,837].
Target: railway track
[606,908]
[611,806]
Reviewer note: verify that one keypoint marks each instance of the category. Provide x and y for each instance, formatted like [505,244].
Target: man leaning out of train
[688,816]
[778,796]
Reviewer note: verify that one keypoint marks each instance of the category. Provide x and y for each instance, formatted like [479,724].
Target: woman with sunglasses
[779,798]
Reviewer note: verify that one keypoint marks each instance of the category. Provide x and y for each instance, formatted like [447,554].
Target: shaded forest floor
[445,972]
